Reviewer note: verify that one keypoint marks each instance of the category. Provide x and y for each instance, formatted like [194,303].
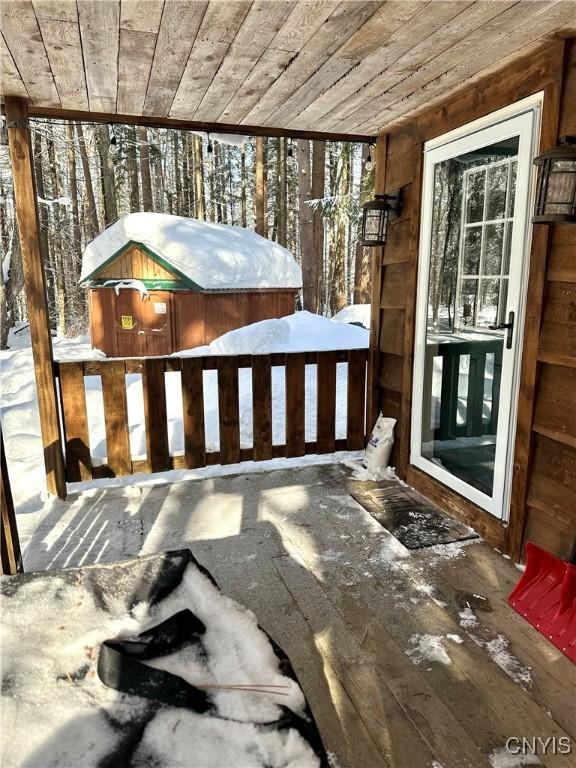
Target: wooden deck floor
[353,610]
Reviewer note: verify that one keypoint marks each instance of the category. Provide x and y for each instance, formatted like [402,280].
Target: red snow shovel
[546,597]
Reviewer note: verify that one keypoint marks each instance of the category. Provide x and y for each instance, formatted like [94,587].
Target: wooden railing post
[10,557]
[35,285]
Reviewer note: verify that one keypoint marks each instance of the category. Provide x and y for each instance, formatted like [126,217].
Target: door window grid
[506,221]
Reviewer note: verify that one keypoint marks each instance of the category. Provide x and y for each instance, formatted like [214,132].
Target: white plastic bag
[379,448]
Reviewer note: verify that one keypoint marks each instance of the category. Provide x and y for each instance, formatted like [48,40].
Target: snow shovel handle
[572,558]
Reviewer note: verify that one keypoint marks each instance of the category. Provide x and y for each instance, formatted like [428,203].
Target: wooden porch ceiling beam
[35,284]
[192,125]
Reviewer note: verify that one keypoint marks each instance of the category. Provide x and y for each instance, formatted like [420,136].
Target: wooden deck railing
[469,414]
[80,465]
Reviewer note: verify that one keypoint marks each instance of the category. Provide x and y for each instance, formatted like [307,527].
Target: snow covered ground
[300,332]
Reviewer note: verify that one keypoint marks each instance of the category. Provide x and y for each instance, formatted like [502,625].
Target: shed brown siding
[543,505]
[195,317]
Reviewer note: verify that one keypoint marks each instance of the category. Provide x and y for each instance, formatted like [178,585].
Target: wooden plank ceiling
[350,68]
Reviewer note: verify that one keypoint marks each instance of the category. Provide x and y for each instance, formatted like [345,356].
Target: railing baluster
[75,418]
[193,412]
[355,429]
[228,408]
[154,389]
[295,404]
[326,402]
[116,417]
[262,407]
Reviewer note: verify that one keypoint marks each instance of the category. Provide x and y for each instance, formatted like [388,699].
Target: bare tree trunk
[90,209]
[107,175]
[317,251]
[199,180]
[132,164]
[282,191]
[260,192]
[342,188]
[41,191]
[309,276]
[142,134]
[362,263]
[59,264]
[76,293]
[186,166]
[243,202]
[177,177]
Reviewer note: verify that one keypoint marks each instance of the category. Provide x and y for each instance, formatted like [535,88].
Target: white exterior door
[474,245]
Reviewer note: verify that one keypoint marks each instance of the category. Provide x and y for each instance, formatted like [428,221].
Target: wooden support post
[10,557]
[372,400]
[35,283]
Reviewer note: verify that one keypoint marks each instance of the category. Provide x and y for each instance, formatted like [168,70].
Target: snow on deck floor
[302,331]
[355,611]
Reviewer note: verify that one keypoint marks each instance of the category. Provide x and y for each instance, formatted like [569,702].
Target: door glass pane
[472,222]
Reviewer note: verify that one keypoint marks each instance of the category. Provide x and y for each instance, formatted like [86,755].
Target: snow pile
[253,339]
[213,256]
[499,653]
[354,313]
[502,758]
[53,682]
[427,648]
[300,332]
[120,285]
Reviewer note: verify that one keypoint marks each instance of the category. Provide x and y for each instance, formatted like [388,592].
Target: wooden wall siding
[346,68]
[134,263]
[543,506]
[75,417]
[195,317]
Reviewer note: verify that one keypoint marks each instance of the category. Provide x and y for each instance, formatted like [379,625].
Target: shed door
[143,324]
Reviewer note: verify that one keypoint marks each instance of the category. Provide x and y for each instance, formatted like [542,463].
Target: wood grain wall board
[555,411]
[453,40]
[262,407]
[64,50]
[99,27]
[295,382]
[193,412]
[424,36]
[368,54]
[393,286]
[557,337]
[75,422]
[11,83]
[179,26]
[392,329]
[135,59]
[462,77]
[116,418]
[24,41]
[341,24]
[553,480]
[391,375]
[260,25]
[545,529]
[562,266]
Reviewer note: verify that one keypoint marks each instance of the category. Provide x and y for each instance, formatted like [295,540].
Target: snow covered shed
[160,283]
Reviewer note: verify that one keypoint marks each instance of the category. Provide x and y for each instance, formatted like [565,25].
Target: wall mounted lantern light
[556,191]
[375,217]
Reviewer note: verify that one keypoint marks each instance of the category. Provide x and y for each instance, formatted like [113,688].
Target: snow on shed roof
[213,256]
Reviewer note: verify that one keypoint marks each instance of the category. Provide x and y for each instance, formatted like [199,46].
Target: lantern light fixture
[556,190]
[375,218]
